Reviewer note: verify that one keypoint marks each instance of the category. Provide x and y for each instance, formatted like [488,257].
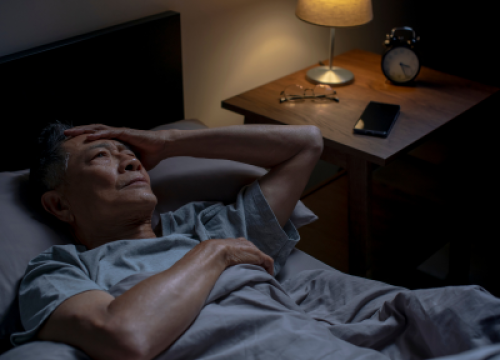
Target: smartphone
[377,119]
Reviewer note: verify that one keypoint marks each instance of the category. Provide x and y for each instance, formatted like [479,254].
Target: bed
[131,75]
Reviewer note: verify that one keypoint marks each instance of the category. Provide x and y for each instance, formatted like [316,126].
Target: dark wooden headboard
[126,75]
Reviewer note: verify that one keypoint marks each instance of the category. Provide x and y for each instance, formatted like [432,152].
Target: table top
[432,101]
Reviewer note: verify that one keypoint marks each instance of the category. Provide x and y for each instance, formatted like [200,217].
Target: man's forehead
[108,144]
[81,145]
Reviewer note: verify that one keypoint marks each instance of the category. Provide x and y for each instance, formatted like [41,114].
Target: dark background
[462,39]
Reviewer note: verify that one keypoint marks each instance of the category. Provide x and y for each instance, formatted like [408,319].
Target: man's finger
[269,265]
[103,134]
[91,127]
[85,129]
[76,132]
[94,126]
[109,134]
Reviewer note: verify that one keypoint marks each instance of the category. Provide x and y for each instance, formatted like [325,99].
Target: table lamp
[333,13]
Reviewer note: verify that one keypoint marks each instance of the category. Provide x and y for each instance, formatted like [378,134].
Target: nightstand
[435,101]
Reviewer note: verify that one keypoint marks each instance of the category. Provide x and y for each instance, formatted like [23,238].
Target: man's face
[105,182]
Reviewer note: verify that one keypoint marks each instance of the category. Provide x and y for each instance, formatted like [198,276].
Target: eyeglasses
[297,92]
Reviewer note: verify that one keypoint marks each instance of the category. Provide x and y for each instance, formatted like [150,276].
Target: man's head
[98,187]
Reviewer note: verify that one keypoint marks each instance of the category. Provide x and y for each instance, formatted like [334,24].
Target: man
[105,196]
[202,290]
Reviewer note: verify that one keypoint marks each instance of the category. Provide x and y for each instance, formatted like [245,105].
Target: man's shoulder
[59,253]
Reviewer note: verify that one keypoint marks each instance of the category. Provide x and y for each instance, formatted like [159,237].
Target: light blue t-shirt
[63,271]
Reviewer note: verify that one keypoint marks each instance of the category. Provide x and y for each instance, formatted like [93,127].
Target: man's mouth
[137,181]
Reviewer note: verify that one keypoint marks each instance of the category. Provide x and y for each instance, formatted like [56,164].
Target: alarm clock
[400,62]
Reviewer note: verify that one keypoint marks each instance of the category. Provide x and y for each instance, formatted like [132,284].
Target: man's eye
[101,154]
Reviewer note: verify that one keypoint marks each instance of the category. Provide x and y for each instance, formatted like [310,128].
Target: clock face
[400,64]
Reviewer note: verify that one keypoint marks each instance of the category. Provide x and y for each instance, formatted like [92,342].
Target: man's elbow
[126,344]
[315,139]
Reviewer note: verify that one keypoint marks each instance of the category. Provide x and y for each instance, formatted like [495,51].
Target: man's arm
[149,317]
[291,152]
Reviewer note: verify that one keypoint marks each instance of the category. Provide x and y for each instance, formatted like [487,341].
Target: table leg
[359,172]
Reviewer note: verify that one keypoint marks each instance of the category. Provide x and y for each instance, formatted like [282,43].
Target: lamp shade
[335,13]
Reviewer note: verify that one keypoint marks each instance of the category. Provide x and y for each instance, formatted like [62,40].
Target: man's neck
[100,235]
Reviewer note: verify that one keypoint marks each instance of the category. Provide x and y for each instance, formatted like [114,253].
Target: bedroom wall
[229,46]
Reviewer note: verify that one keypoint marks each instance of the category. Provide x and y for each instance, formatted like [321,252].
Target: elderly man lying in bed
[208,289]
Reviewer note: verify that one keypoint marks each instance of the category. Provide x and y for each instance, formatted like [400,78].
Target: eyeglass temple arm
[282,100]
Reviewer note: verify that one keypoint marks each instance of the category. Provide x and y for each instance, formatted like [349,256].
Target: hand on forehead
[149,146]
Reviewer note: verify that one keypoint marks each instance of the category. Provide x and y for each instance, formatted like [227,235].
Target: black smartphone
[377,119]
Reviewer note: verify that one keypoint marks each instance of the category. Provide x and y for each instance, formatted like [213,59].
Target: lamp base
[334,76]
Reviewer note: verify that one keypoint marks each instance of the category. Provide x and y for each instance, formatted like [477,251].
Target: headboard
[125,75]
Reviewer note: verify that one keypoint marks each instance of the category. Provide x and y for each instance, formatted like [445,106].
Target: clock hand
[401,64]
[402,68]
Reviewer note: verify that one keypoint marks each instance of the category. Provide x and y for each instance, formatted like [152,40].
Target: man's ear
[54,203]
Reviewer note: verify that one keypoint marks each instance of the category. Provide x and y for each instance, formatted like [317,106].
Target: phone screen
[377,119]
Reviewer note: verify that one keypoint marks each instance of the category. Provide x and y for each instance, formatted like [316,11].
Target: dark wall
[463,40]
[458,39]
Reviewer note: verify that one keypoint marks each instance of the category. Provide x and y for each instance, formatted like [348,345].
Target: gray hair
[50,160]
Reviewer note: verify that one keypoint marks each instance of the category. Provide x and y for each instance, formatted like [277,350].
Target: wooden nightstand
[434,101]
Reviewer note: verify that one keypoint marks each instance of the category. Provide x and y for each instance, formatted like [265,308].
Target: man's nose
[130,164]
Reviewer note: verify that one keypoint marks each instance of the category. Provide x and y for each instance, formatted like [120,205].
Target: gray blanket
[324,314]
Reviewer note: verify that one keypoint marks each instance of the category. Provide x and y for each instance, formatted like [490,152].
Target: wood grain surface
[432,101]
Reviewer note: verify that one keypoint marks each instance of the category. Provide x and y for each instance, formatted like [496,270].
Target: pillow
[25,232]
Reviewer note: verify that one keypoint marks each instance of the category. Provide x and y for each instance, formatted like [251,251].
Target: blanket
[326,314]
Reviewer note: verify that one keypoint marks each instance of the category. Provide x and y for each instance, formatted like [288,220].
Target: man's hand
[149,146]
[241,251]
